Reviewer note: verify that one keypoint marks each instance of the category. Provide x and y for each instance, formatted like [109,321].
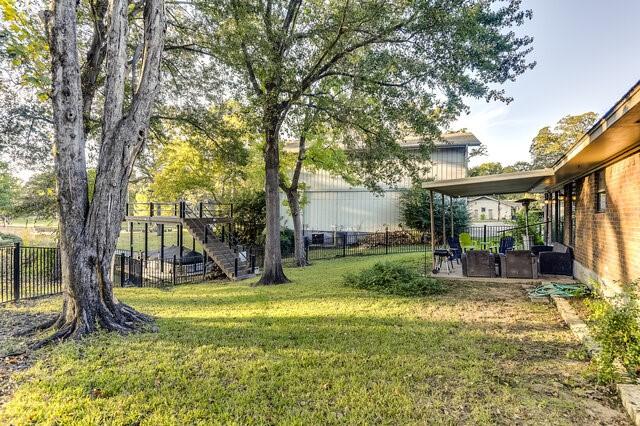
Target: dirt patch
[541,350]
[14,353]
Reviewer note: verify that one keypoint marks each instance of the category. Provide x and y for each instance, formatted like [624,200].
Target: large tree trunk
[272,273]
[88,231]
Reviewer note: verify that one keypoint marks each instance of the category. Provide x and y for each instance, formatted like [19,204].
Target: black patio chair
[454,247]
[506,244]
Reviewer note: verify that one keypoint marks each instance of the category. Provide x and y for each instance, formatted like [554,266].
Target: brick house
[591,195]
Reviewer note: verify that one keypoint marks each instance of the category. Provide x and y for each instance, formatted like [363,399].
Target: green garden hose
[560,290]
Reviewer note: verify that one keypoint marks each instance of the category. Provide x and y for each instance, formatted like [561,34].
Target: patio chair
[506,244]
[466,243]
[478,263]
[518,264]
[558,261]
[454,247]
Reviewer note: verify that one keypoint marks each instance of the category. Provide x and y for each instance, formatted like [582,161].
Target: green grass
[315,352]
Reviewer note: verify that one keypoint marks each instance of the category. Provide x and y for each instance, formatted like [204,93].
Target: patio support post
[451,214]
[444,221]
[433,229]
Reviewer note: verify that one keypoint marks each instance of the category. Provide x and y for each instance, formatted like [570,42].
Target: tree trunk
[272,273]
[89,231]
[293,197]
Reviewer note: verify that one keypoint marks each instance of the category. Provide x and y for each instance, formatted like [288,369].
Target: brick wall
[608,243]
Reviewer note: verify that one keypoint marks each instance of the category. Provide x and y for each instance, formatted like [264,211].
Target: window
[483,209]
[601,191]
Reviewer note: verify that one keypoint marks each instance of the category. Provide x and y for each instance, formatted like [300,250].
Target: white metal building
[334,205]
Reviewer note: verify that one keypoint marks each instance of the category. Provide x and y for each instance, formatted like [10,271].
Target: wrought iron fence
[136,271]
[28,272]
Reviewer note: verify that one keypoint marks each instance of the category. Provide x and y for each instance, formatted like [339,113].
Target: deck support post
[130,239]
[161,247]
[146,241]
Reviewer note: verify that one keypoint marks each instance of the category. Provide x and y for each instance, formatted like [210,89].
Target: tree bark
[272,272]
[293,197]
[88,231]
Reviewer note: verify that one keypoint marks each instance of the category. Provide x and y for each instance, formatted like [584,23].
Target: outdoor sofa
[556,259]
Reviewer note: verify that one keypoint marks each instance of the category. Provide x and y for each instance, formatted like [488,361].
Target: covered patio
[510,264]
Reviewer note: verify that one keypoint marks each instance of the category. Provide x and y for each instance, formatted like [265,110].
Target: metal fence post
[16,272]
[142,262]
[174,270]
[235,267]
[121,270]
[484,236]
[386,240]
[344,244]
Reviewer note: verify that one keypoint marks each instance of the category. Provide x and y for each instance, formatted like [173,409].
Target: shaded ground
[13,354]
[315,352]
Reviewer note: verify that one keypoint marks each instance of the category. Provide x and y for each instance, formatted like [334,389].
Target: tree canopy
[551,143]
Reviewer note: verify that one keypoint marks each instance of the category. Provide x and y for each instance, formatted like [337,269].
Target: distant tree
[484,169]
[38,197]
[550,144]
[414,208]
[9,192]
[519,166]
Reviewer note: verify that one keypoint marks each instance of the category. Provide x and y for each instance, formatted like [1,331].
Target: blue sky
[588,55]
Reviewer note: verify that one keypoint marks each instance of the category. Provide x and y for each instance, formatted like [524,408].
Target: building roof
[449,140]
[614,135]
[453,140]
[505,183]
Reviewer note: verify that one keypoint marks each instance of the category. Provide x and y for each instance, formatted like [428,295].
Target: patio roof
[505,183]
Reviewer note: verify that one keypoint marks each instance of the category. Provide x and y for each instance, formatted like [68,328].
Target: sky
[588,56]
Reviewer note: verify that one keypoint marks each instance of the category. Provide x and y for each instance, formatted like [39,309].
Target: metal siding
[332,204]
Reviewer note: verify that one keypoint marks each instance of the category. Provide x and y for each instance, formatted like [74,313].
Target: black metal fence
[136,271]
[27,272]
[491,234]
[321,245]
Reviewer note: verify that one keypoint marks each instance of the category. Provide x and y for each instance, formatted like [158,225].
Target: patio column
[444,221]
[433,229]
[451,214]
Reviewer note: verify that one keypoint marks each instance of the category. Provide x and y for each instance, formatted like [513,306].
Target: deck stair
[232,261]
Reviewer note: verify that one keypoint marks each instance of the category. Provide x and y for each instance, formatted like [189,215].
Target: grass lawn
[315,352]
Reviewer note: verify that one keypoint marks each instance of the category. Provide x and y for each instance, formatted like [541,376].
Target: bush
[616,329]
[394,278]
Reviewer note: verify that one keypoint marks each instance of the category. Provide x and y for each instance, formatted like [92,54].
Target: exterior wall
[607,244]
[333,204]
[491,209]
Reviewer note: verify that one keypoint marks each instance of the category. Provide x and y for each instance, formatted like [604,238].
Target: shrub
[616,329]
[394,278]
